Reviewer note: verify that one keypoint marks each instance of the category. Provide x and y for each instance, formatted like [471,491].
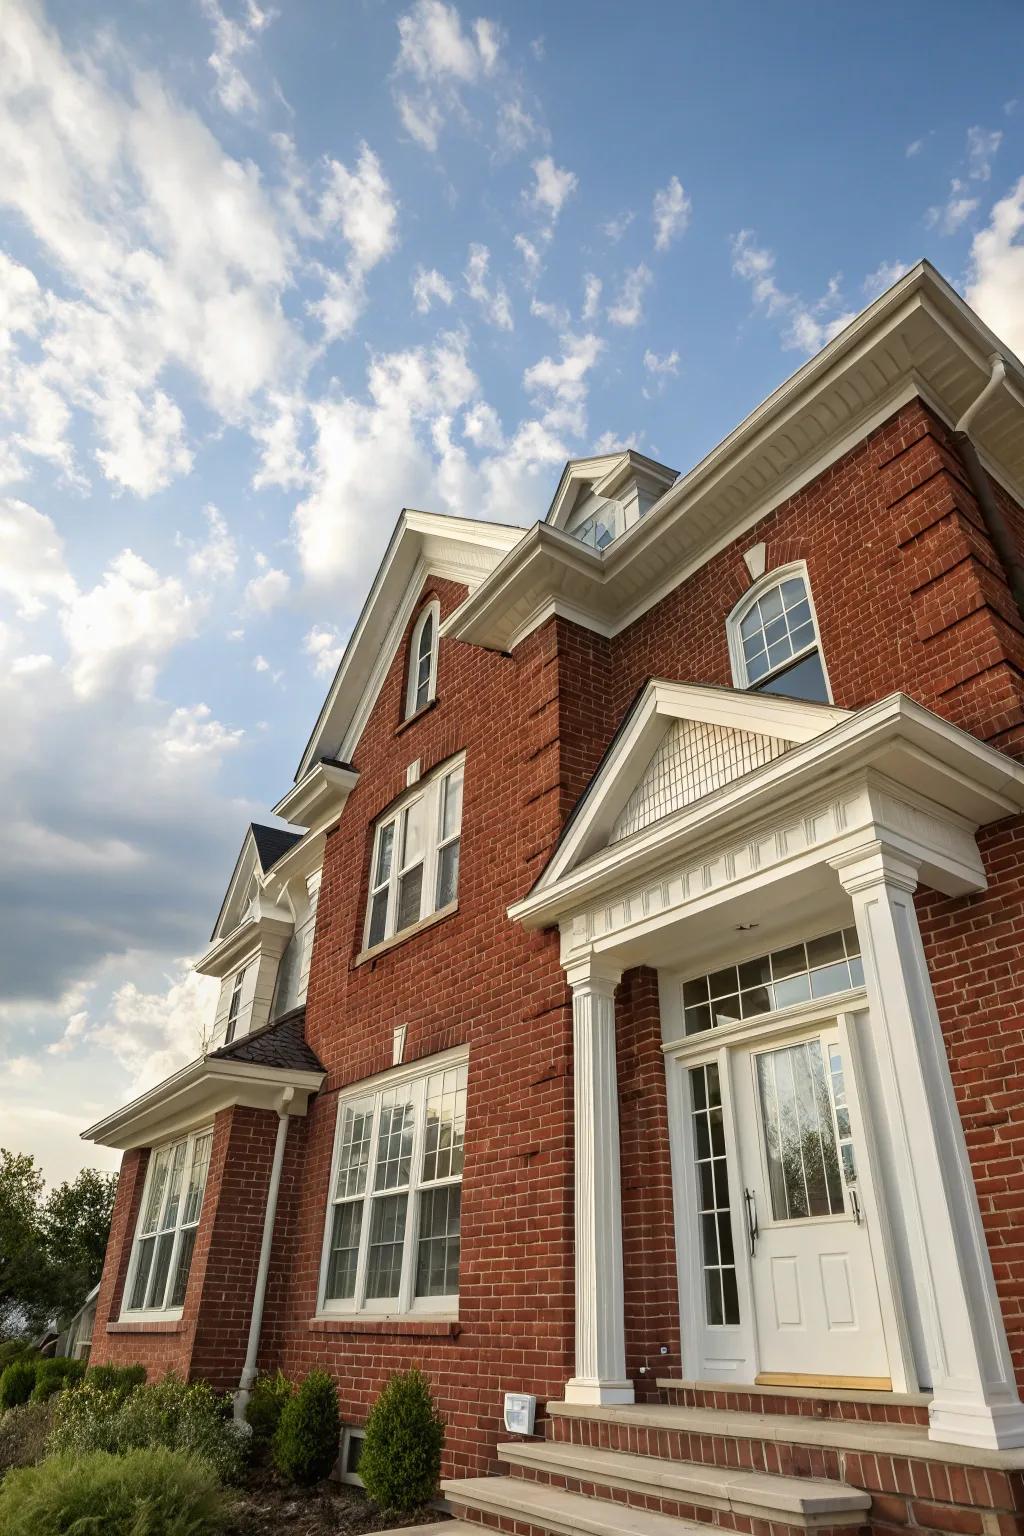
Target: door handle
[855,1202]
[752,1227]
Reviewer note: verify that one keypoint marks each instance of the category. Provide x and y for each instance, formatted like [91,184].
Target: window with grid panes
[415,866]
[812,968]
[392,1240]
[422,660]
[168,1223]
[779,644]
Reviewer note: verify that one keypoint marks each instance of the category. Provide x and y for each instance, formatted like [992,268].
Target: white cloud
[360,206]
[193,734]
[234,36]
[152,1034]
[883,277]
[325,647]
[995,279]
[494,302]
[119,632]
[562,383]
[615,228]
[982,146]
[440,57]
[805,327]
[914,148]
[482,425]
[260,664]
[552,187]
[268,590]
[671,211]
[217,558]
[33,571]
[555,315]
[628,308]
[667,363]
[533,261]
[591,296]
[516,126]
[428,286]
[31,665]
[947,217]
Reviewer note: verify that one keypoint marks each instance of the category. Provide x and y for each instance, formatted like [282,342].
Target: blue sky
[267,274]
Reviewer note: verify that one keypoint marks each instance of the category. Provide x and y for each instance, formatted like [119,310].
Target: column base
[988,1426]
[598,1393]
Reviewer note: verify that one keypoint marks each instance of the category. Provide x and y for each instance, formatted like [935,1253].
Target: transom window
[422,679]
[169,1220]
[415,868]
[775,643]
[393,1223]
[795,974]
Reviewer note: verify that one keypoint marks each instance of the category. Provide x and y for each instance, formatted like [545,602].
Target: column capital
[593,974]
[875,863]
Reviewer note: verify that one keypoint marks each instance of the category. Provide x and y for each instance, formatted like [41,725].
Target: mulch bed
[266,1506]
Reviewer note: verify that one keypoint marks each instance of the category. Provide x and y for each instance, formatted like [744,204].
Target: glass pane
[804,680]
[770,604]
[824,950]
[385,848]
[755,973]
[378,918]
[344,1251]
[793,591]
[354,1149]
[437,1261]
[750,625]
[181,1270]
[410,893]
[795,989]
[695,992]
[197,1178]
[451,810]
[413,832]
[757,1000]
[384,1256]
[445,1132]
[722,983]
[720,1293]
[161,1265]
[799,614]
[801,637]
[448,873]
[142,1268]
[831,978]
[799,1136]
[426,639]
[394,1139]
[170,1216]
[698,1019]
[155,1197]
[726,1010]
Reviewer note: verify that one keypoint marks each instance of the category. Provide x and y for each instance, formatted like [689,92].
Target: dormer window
[233,1006]
[422,680]
[773,639]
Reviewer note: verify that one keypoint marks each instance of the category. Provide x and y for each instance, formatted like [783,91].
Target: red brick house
[634,1018]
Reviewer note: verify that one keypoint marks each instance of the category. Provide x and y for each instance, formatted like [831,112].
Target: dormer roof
[606,476]
[272,843]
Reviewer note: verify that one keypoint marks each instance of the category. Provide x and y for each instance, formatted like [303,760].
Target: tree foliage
[401,1460]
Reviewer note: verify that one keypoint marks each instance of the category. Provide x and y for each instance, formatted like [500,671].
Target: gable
[694,759]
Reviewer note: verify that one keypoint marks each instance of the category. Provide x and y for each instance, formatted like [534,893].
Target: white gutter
[248,1375]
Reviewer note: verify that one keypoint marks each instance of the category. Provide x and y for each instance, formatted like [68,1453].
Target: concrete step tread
[726,1485]
[817,1394]
[552,1509]
[910,1440]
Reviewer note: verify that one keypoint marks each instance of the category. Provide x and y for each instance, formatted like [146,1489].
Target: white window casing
[421,681]
[165,1235]
[414,869]
[773,637]
[392,1231]
[293,972]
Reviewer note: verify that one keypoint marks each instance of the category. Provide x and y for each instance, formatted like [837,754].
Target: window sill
[412,719]
[173,1324]
[407,933]
[407,1326]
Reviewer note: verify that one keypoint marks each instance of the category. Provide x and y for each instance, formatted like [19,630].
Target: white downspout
[996,379]
[256,1321]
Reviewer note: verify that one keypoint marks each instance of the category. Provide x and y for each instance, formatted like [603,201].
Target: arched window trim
[431,610]
[765,583]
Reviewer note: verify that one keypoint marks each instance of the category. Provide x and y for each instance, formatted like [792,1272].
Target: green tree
[24,1271]
[75,1224]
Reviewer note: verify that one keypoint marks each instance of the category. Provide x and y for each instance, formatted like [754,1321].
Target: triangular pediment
[680,744]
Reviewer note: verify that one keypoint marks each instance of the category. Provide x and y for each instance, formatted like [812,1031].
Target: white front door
[815,1296]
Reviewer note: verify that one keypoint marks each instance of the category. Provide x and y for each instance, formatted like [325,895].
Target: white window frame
[406,1304]
[166,1313]
[432,792]
[432,610]
[737,657]
[234,1004]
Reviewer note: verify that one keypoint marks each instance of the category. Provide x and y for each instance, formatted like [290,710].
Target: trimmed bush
[263,1410]
[115,1378]
[146,1493]
[16,1349]
[17,1383]
[52,1376]
[177,1416]
[401,1459]
[24,1432]
[308,1436]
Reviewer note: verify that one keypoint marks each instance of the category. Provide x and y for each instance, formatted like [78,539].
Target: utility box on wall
[520,1412]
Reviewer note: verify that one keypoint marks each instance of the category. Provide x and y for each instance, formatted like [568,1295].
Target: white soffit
[918,340]
[423,544]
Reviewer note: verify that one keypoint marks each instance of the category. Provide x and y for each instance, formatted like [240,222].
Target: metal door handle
[752,1227]
[855,1202]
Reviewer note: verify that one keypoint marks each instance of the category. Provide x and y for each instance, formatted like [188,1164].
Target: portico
[729,834]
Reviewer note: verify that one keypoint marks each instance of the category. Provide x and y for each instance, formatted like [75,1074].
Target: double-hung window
[168,1223]
[392,1239]
[422,667]
[773,637]
[415,866]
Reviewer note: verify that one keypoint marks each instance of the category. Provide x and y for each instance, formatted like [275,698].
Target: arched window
[773,638]
[422,679]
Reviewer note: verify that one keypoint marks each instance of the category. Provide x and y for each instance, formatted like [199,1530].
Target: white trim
[189,1143]
[431,613]
[737,658]
[430,792]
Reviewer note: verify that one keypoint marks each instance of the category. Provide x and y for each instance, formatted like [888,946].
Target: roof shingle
[280,1044]
[272,843]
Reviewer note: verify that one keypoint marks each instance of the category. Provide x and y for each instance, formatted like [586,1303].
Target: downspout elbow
[996,526]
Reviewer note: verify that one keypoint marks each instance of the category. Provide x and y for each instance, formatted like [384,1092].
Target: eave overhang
[918,340]
[265,932]
[318,798]
[931,762]
[196,1094]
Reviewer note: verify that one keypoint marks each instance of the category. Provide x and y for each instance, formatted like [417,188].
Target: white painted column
[600,1324]
[929,1181]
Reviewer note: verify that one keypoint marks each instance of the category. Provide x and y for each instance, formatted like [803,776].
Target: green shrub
[308,1435]
[52,1376]
[146,1493]
[401,1458]
[178,1416]
[17,1383]
[263,1410]
[115,1378]
[16,1349]
[24,1432]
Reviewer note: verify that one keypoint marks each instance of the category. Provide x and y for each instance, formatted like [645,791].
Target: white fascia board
[195,1093]
[462,548]
[245,940]
[246,865]
[317,799]
[542,562]
[962,777]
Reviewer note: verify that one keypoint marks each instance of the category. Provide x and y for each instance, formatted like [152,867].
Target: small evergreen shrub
[24,1432]
[146,1493]
[263,1410]
[17,1383]
[179,1416]
[308,1434]
[116,1378]
[16,1349]
[52,1376]
[401,1459]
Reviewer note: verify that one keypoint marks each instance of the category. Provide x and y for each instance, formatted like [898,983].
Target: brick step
[793,1501]
[512,1502]
[805,1402]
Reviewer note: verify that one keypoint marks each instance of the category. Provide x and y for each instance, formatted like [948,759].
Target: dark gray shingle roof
[272,843]
[280,1044]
